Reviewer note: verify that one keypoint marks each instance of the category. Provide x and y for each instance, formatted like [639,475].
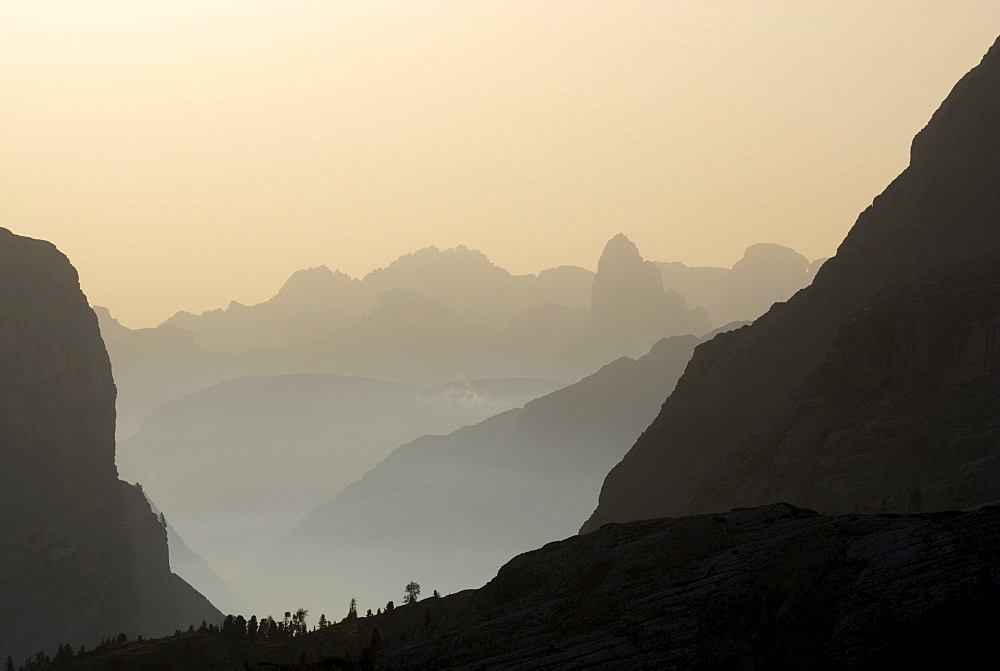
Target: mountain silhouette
[429,331]
[776,587]
[311,304]
[316,302]
[900,416]
[451,508]
[767,274]
[205,458]
[939,214]
[83,554]
[628,300]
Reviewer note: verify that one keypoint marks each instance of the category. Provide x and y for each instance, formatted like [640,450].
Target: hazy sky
[184,154]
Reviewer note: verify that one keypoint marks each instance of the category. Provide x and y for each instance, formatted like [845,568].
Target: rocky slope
[902,414]
[940,212]
[776,587]
[82,556]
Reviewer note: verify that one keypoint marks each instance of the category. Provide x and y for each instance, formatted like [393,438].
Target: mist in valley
[499,335]
[398,459]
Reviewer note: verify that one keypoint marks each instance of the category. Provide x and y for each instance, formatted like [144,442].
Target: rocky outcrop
[777,587]
[628,299]
[81,554]
[941,212]
[901,415]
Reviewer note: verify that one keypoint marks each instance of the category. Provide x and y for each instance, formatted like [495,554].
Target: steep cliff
[902,414]
[942,211]
[81,554]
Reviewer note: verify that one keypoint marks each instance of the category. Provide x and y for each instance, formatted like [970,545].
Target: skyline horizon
[167,147]
[335,269]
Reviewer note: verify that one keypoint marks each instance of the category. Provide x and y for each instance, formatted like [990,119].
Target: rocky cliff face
[902,414]
[942,211]
[775,587]
[81,554]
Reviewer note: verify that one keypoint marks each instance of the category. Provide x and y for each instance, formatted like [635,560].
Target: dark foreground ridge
[772,587]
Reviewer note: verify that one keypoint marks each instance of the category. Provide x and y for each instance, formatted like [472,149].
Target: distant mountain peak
[435,254]
[620,251]
[627,294]
[308,282]
[938,214]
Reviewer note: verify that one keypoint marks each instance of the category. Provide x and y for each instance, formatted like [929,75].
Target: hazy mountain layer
[447,510]
[314,303]
[82,556]
[196,572]
[317,302]
[766,274]
[236,465]
[628,302]
[417,321]
[152,366]
[939,213]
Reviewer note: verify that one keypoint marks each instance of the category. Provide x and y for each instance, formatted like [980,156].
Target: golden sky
[187,153]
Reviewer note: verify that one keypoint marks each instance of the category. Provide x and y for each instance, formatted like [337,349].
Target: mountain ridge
[939,212]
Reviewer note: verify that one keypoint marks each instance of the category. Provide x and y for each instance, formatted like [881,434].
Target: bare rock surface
[901,415]
[772,587]
[82,556]
[941,212]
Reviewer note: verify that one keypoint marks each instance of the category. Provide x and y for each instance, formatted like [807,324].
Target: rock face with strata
[901,415]
[777,587]
[81,554]
[940,213]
